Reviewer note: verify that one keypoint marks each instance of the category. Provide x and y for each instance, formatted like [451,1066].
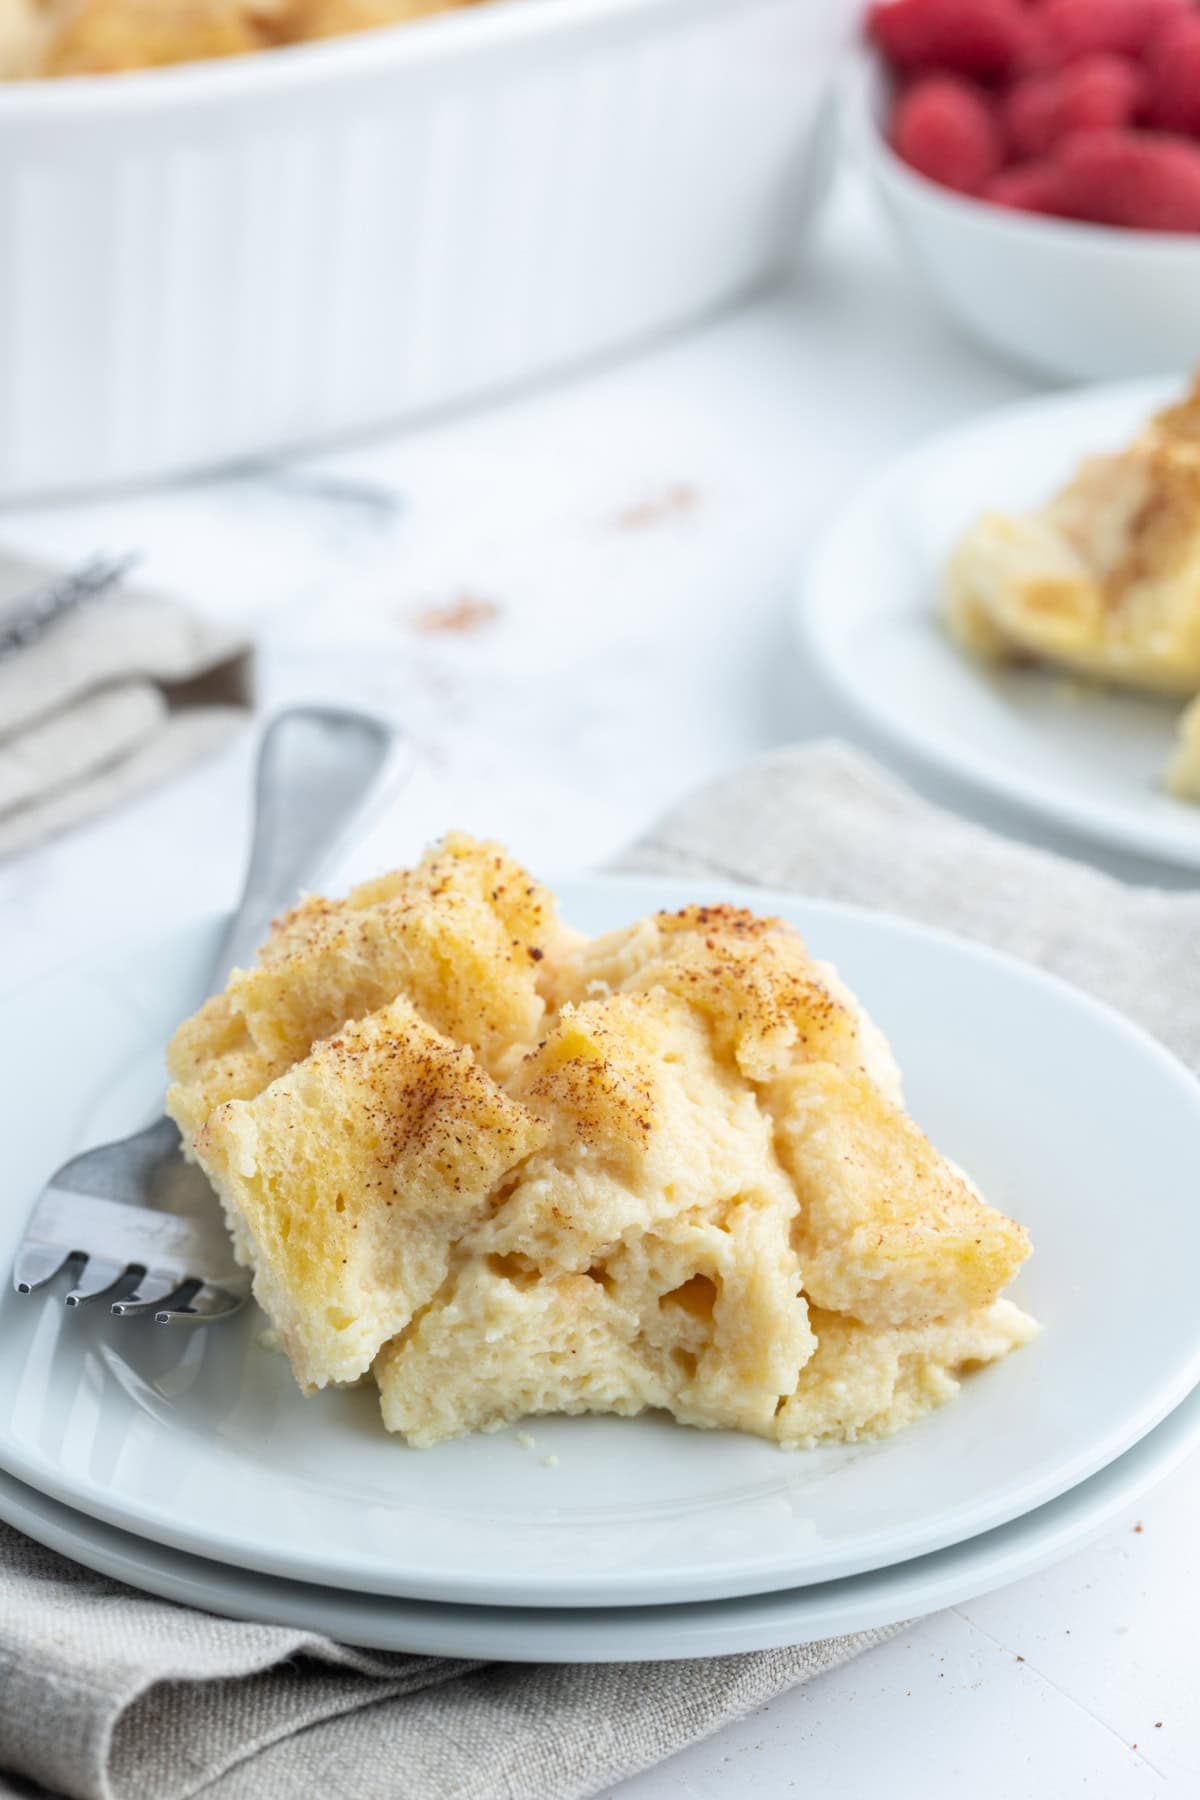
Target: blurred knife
[24,620]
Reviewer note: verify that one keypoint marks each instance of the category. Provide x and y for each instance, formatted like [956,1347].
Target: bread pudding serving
[503,1169]
[100,37]
[1104,580]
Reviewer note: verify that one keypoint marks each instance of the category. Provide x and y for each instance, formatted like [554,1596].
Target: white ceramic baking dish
[222,260]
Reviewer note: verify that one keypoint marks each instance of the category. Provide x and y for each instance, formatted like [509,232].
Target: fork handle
[318,767]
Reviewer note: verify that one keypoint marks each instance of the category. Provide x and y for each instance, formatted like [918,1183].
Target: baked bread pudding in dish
[503,1169]
[1104,580]
[99,37]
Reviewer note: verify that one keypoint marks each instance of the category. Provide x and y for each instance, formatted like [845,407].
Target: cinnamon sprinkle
[673,503]
[463,616]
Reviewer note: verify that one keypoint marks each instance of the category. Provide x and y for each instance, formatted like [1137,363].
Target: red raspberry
[1134,178]
[1075,28]
[964,37]
[1089,95]
[945,128]
[1032,187]
[1173,64]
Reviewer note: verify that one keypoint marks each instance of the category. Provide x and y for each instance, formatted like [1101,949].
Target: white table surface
[640,534]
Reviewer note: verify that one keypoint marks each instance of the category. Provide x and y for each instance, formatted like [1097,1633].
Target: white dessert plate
[1070,1119]
[1086,758]
[634,1633]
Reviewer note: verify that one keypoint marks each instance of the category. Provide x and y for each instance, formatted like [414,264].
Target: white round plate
[868,613]
[635,1633]
[1071,1120]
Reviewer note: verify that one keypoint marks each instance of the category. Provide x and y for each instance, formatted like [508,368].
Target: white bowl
[212,262]
[1085,302]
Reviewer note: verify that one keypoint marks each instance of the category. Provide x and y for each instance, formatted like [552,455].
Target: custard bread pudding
[99,37]
[503,1169]
[1104,580]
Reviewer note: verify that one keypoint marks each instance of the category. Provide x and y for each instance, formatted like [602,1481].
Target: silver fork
[136,1224]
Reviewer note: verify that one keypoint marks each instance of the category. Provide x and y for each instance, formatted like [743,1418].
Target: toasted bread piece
[212,1058]
[887,1230]
[354,1175]
[751,978]
[461,935]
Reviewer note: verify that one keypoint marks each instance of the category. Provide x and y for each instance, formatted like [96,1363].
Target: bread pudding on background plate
[502,1169]
[1103,581]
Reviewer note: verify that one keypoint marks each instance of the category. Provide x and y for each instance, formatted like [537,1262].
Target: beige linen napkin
[114,696]
[110,1695]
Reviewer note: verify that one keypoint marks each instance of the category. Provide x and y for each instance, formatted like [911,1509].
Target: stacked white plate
[186,1463]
